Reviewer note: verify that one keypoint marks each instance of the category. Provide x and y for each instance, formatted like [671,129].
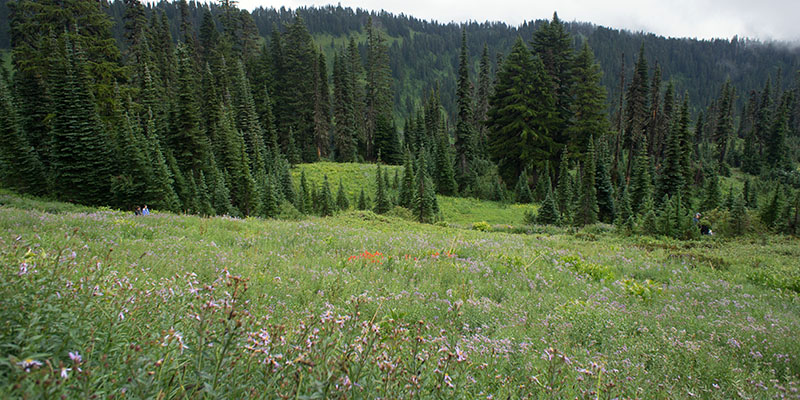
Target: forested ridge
[204,109]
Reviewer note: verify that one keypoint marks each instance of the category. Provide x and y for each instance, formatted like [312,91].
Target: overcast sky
[705,19]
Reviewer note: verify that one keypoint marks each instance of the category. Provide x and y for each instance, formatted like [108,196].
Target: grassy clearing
[365,306]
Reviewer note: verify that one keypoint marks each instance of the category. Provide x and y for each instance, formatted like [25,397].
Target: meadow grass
[100,302]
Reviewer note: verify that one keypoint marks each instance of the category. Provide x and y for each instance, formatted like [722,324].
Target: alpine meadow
[199,201]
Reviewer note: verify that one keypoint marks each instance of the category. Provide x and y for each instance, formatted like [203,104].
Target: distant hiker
[145,210]
[137,211]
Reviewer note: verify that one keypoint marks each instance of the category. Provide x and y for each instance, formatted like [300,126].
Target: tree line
[208,118]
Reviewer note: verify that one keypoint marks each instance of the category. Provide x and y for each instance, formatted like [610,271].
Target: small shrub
[482,226]
[595,271]
[645,290]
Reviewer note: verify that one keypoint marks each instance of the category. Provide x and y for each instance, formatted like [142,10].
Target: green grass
[463,211]
[363,306]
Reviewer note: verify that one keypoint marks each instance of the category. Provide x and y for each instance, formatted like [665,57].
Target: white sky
[705,19]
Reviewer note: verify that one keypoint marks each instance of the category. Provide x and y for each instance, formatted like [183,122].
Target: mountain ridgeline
[205,109]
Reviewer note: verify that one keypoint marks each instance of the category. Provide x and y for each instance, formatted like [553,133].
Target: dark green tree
[326,201]
[425,207]
[522,119]
[588,105]
[20,167]
[522,192]
[587,210]
[81,161]
[606,206]
[712,197]
[382,203]
[342,204]
[465,130]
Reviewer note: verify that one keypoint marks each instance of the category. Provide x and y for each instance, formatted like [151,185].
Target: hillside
[425,53]
[360,305]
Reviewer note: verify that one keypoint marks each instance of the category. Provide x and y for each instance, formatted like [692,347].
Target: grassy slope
[709,323]
[458,211]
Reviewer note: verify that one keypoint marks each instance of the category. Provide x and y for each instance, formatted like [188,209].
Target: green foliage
[522,192]
[382,203]
[482,226]
[583,267]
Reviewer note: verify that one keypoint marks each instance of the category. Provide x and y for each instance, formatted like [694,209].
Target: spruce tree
[382,204]
[482,102]
[587,210]
[625,216]
[406,196]
[564,193]
[712,198]
[588,107]
[445,175]
[772,210]
[671,180]
[20,167]
[378,90]
[548,213]
[465,130]
[326,201]
[606,206]
[160,193]
[522,192]
[641,185]
[739,219]
[425,207]
[205,208]
[81,161]
[322,108]
[342,204]
[522,118]
[362,201]
[304,200]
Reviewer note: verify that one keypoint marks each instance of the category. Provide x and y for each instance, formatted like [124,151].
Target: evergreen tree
[322,108]
[406,196]
[775,150]
[295,105]
[748,194]
[482,102]
[20,167]
[712,196]
[344,110]
[522,192]
[382,204]
[724,126]
[304,200]
[326,201]
[771,212]
[636,110]
[548,213]
[465,132]
[80,152]
[587,210]
[386,142]
[564,193]
[378,96]
[671,181]
[588,107]
[606,206]
[445,175]
[341,199]
[160,193]
[552,44]
[187,141]
[522,114]
[204,197]
[425,207]
[625,215]
[641,185]
[362,201]
[739,219]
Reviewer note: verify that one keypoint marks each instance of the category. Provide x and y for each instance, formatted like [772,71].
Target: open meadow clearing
[96,301]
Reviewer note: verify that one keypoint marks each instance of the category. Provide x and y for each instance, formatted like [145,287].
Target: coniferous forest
[205,109]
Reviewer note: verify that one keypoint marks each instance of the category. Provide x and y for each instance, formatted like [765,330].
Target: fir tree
[522,115]
[606,206]
[322,108]
[564,193]
[772,210]
[465,132]
[445,175]
[739,219]
[160,194]
[406,196]
[20,167]
[205,208]
[362,201]
[378,94]
[671,180]
[482,102]
[341,199]
[588,109]
[711,196]
[382,204]
[304,200]
[548,213]
[522,192]
[641,185]
[326,201]
[425,207]
[625,215]
[587,210]
[80,152]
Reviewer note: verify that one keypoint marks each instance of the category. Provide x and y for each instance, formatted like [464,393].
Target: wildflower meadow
[98,303]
